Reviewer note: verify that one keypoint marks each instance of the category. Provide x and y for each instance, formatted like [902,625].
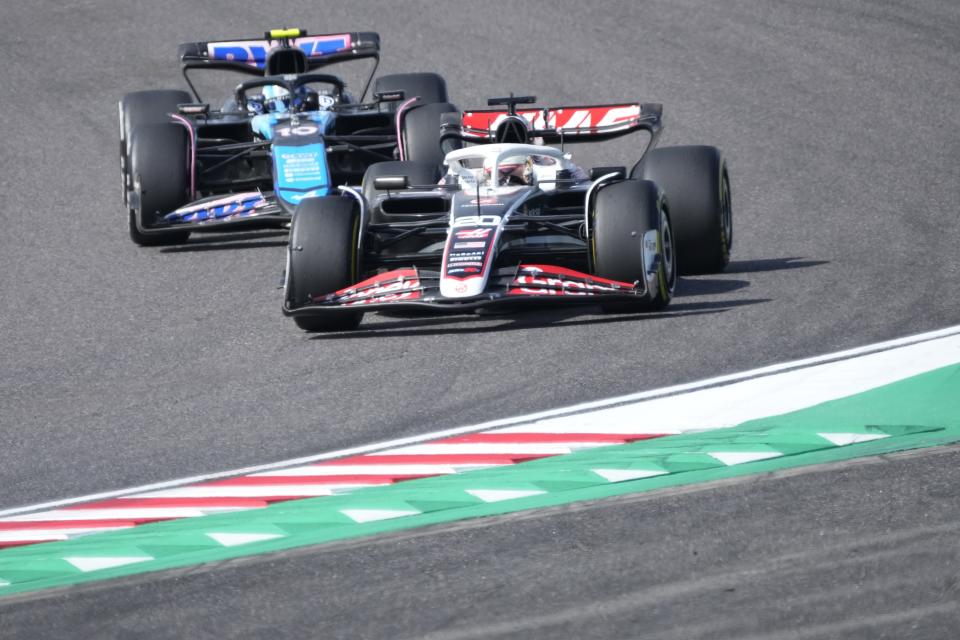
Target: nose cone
[457,288]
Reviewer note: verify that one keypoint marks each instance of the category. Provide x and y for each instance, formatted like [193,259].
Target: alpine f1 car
[512,222]
[288,133]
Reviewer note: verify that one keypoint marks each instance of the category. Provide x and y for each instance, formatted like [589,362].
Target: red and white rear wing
[556,124]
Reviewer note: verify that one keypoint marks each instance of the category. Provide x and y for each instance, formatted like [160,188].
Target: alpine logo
[254,52]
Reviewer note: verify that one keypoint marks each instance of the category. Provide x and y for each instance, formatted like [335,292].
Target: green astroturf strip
[922,411]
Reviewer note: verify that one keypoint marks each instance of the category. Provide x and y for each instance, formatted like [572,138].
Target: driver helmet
[276,99]
[516,172]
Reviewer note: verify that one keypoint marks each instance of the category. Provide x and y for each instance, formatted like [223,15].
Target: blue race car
[287,134]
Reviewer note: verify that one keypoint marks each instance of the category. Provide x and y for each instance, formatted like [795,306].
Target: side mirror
[193,109]
[599,172]
[389,96]
[391,183]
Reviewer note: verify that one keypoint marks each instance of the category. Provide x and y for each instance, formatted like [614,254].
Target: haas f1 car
[512,222]
[287,134]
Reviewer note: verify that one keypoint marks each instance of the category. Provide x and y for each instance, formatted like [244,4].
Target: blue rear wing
[250,55]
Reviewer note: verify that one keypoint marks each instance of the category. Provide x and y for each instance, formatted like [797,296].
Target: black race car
[287,134]
[513,221]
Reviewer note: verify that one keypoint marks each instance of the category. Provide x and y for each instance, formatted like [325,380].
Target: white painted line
[372,515]
[32,535]
[731,458]
[590,423]
[943,349]
[241,491]
[237,539]
[138,513]
[492,448]
[12,535]
[88,564]
[499,495]
[620,475]
[843,439]
[372,470]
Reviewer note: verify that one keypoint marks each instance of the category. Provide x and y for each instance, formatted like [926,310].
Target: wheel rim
[668,253]
[726,209]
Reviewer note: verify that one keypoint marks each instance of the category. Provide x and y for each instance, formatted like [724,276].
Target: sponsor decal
[392,286]
[301,166]
[241,205]
[464,234]
[477,221]
[558,281]
[254,52]
[571,120]
[304,129]
[468,252]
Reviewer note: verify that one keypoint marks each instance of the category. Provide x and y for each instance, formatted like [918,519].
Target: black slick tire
[322,258]
[623,213]
[429,87]
[697,184]
[158,159]
[421,133]
[139,108]
[417,173]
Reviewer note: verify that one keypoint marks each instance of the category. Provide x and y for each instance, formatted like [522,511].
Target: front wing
[413,289]
[245,210]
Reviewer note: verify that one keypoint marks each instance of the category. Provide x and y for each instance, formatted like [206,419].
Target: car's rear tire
[417,173]
[429,87]
[421,133]
[158,159]
[697,183]
[623,213]
[143,107]
[323,257]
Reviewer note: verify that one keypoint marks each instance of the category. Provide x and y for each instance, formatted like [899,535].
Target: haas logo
[473,234]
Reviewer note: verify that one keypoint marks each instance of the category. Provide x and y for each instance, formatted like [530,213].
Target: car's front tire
[323,257]
[139,108]
[158,160]
[624,214]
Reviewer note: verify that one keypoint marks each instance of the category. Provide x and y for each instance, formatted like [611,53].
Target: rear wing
[554,124]
[250,55]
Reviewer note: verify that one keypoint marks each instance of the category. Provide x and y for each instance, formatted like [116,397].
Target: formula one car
[513,222]
[287,134]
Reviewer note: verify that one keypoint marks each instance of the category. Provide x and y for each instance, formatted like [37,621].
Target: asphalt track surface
[123,366]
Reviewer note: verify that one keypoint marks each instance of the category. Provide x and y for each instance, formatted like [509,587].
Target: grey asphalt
[123,366]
